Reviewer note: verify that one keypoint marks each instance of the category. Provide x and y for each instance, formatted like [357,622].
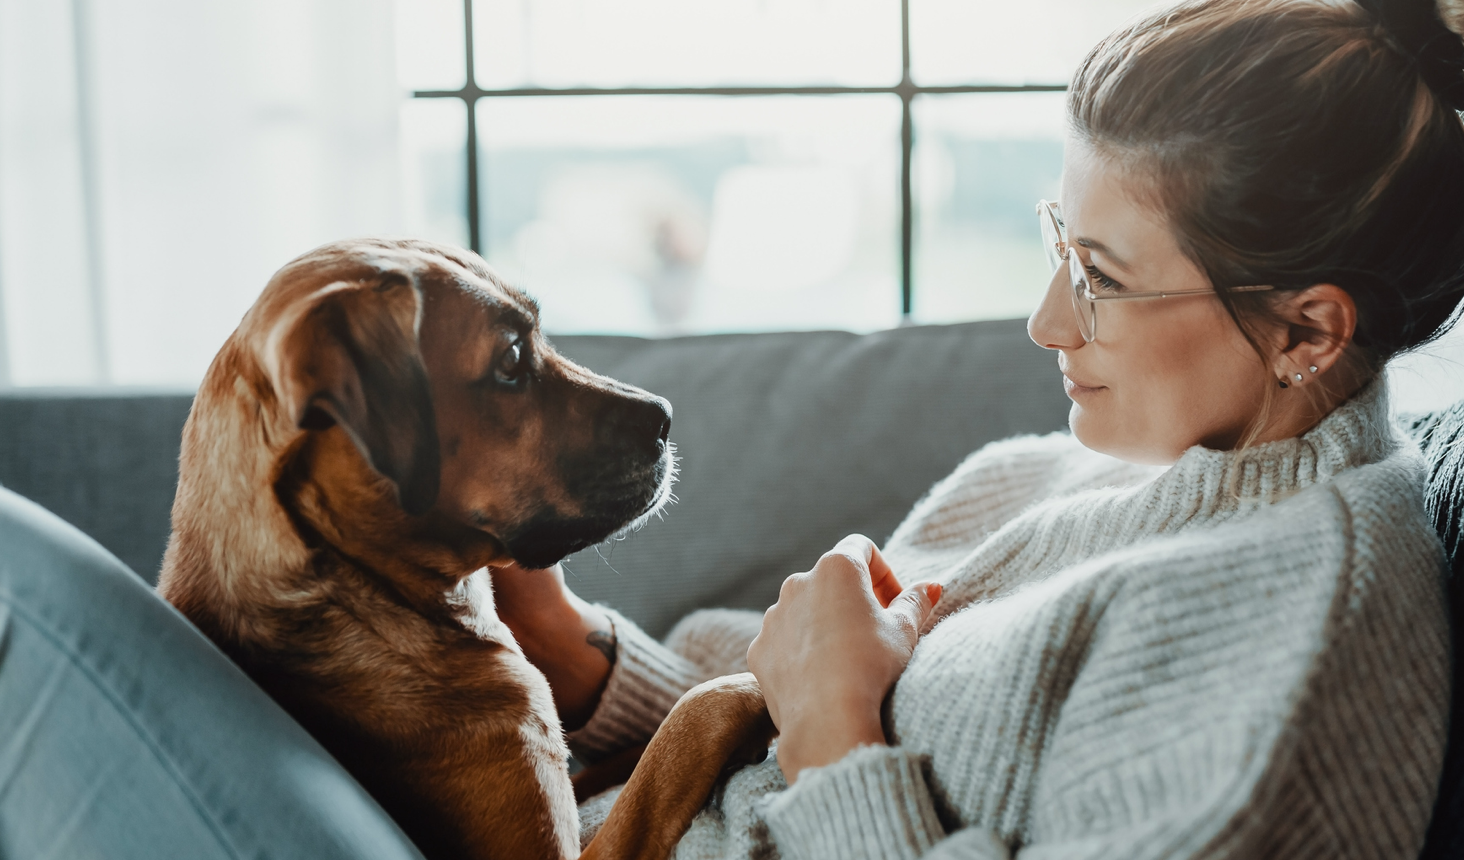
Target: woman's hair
[1297,142]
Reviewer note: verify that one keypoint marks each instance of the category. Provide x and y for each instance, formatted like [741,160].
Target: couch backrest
[105,461]
[788,441]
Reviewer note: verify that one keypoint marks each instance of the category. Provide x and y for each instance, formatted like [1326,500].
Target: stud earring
[1298,377]
[1313,368]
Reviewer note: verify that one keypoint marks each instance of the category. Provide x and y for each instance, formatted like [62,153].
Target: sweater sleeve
[649,677]
[873,803]
[644,683]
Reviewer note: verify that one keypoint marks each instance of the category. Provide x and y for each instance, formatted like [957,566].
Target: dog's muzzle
[549,536]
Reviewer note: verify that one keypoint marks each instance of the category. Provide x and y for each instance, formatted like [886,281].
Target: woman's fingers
[830,649]
[882,578]
[912,607]
[863,552]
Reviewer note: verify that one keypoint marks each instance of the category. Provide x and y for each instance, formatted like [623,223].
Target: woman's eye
[1101,280]
[511,364]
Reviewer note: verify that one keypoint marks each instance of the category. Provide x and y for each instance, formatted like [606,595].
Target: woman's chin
[1086,430]
[1099,432]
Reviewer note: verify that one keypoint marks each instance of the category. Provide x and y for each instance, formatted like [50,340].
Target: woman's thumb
[916,602]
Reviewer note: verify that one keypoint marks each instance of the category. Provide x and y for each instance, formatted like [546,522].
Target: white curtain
[159,159]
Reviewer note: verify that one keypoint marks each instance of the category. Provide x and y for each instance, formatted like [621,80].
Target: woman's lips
[1076,389]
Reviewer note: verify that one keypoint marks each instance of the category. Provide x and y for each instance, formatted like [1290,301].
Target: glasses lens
[1086,311]
[1051,234]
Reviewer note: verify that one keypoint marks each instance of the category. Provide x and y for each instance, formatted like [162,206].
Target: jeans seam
[129,715]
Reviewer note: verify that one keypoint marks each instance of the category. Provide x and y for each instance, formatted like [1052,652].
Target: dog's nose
[656,417]
[641,421]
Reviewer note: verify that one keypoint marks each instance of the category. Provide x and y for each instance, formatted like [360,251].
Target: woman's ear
[1319,322]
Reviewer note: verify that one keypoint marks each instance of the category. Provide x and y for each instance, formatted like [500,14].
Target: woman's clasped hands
[831,648]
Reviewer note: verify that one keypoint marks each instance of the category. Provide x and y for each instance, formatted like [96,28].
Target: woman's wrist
[825,735]
[568,639]
[578,664]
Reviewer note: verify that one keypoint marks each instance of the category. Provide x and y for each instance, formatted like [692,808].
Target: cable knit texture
[1242,655]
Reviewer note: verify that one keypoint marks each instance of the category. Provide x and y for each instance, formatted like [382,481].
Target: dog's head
[438,374]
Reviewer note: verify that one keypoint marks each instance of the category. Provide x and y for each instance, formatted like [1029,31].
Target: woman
[1210,621]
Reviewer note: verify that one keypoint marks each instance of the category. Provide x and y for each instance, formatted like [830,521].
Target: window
[643,166]
[655,167]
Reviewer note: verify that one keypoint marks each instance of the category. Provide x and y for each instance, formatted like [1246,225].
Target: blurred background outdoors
[159,159]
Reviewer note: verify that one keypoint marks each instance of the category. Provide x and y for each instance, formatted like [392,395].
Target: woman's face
[1164,374]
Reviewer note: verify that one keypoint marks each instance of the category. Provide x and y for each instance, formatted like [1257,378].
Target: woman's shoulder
[1379,515]
[1354,545]
[1366,522]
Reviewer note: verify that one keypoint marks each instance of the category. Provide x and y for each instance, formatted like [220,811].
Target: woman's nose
[1053,325]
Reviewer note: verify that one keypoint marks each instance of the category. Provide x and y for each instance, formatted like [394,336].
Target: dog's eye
[512,364]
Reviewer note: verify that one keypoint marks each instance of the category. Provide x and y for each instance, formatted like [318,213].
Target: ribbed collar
[1357,433]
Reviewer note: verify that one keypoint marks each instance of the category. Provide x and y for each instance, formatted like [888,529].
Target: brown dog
[386,422]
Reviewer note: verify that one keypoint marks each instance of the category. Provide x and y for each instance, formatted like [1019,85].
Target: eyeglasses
[1085,302]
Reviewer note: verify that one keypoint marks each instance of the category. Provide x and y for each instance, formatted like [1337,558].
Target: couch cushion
[125,734]
[790,441]
[1441,436]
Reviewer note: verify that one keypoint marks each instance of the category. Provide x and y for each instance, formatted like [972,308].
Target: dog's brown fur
[358,453]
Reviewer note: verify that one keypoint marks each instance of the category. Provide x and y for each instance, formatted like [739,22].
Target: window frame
[907,91]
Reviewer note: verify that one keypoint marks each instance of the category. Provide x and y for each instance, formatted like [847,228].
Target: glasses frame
[1085,301]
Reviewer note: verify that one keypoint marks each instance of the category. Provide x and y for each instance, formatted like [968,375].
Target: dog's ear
[348,355]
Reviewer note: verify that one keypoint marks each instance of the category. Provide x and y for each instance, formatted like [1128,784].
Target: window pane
[671,214]
[1036,41]
[431,50]
[434,141]
[981,164]
[567,43]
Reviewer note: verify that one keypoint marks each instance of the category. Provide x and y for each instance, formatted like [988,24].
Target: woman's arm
[571,641]
[873,804]
[613,683]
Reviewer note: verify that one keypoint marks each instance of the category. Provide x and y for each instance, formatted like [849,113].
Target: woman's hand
[569,640]
[830,650]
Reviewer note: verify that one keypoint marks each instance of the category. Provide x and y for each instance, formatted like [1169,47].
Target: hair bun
[1430,32]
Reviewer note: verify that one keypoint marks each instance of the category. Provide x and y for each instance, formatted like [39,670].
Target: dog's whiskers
[602,555]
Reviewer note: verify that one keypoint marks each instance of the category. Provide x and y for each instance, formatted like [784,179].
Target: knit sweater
[1242,655]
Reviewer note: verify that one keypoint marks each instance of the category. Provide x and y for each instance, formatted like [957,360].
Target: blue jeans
[124,733]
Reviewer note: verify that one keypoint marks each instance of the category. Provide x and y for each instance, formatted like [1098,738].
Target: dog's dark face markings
[539,452]
[442,379]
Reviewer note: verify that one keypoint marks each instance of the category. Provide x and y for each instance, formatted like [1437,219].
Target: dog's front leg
[719,724]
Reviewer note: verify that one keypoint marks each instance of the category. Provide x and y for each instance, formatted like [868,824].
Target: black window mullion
[470,97]
[906,90]
[907,152]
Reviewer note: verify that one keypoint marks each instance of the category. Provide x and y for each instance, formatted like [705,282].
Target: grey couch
[788,442]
